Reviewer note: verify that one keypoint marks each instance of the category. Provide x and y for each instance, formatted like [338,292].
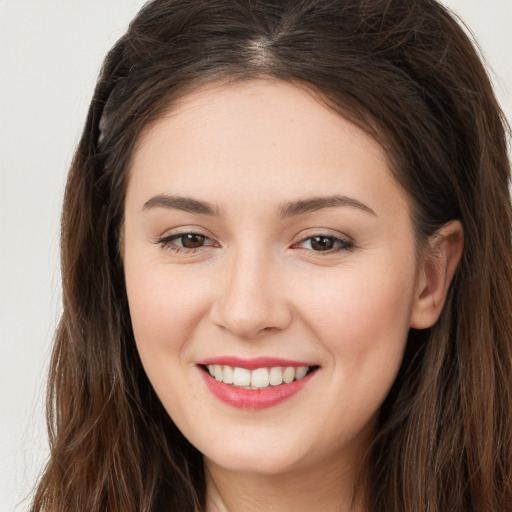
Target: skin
[258,287]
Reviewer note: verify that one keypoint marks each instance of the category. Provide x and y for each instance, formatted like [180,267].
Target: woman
[287,268]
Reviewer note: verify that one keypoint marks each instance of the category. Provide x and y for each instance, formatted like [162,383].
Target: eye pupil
[192,240]
[322,243]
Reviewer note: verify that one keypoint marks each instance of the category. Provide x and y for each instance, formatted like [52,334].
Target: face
[267,243]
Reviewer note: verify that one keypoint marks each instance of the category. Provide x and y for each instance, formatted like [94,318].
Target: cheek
[364,314]
[165,306]
[362,320]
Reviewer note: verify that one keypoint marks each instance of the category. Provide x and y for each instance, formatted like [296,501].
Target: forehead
[254,109]
[256,136]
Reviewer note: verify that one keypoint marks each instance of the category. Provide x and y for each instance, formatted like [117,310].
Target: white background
[50,53]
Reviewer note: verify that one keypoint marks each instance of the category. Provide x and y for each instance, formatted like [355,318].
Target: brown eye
[322,243]
[192,240]
[325,243]
[185,242]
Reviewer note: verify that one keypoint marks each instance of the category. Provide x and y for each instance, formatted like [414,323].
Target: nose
[251,298]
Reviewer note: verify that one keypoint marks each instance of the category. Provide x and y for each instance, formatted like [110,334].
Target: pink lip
[252,364]
[254,398]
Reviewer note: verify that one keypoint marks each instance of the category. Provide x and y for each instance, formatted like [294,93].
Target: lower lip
[254,398]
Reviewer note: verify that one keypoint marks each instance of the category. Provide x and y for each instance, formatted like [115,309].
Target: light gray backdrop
[50,53]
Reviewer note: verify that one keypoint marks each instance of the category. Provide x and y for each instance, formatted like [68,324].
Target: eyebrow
[186,204]
[289,209]
[317,203]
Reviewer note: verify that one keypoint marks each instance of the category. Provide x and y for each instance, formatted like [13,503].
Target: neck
[329,488]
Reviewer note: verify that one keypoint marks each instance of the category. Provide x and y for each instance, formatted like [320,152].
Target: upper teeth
[258,378]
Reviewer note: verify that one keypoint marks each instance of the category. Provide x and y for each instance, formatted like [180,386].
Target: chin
[256,465]
[256,458]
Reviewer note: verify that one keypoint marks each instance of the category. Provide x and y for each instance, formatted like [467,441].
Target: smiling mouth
[258,378]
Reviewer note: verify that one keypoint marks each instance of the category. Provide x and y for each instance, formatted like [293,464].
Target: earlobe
[437,270]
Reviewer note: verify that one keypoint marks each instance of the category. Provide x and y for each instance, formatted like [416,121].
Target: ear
[435,274]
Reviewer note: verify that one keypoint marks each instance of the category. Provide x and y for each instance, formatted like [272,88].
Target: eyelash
[167,242]
[339,244]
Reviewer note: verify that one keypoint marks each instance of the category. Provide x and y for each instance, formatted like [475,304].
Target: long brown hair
[404,71]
